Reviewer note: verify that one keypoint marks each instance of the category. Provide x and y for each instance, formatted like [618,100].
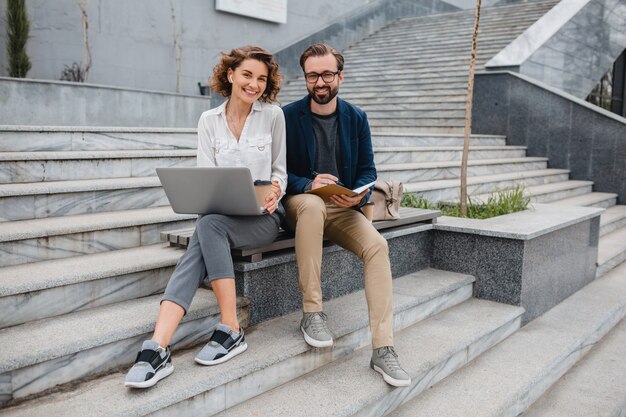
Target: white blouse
[261,146]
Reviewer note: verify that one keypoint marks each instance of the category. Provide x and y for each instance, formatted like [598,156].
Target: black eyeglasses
[327,76]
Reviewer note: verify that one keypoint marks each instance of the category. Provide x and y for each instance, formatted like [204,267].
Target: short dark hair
[234,58]
[321,49]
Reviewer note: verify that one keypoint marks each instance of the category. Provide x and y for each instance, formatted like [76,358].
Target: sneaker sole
[390,380]
[165,372]
[314,342]
[236,351]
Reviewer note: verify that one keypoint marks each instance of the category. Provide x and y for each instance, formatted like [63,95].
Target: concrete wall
[571,47]
[56,103]
[573,134]
[132,41]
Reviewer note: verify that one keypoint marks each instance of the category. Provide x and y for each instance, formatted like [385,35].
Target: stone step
[612,219]
[489,16]
[39,355]
[419,129]
[593,387]
[425,107]
[62,198]
[409,124]
[502,28]
[611,251]
[51,288]
[383,139]
[506,380]
[88,138]
[546,193]
[422,82]
[276,354]
[428,351]
[491,41]
[398,155]
[25,167]
[447,190]
[36,240]
[424,74]
[415,51]
[441,170]
[407,97]
[408,115]
[602,200]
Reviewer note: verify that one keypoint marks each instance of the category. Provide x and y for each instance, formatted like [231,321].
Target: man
[328,141]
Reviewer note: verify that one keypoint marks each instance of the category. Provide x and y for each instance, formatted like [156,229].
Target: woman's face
[249,80]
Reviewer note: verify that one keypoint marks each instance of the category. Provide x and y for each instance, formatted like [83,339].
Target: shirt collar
[256,106]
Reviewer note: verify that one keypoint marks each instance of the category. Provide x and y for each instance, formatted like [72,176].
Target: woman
[247,130]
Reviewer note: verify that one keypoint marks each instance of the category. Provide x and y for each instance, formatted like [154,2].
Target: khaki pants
[312,220]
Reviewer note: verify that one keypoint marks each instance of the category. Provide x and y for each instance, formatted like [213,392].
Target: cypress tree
[17,36]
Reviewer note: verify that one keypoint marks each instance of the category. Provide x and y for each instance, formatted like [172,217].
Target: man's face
[322,92]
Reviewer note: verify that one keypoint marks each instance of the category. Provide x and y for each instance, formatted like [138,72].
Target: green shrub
[17,36]
[497,204]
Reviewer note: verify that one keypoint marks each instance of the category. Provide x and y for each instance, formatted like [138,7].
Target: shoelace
[317,321]
[390,357]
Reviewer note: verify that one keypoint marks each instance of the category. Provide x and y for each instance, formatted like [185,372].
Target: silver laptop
[211,190]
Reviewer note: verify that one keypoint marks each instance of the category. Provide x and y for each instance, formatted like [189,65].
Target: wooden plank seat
[285,239]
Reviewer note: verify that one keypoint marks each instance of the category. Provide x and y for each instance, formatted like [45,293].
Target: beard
[328,93]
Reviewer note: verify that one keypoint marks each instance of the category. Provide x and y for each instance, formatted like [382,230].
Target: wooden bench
[285,239]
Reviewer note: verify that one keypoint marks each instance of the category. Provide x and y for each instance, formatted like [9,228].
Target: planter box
[534,259]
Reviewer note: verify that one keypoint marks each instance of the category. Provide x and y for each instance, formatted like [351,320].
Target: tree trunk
[468,113]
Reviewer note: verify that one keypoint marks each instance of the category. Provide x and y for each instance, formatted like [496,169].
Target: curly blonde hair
[219,81]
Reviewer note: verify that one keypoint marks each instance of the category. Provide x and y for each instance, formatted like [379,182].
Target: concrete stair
[27,241]
[41,354]
[439,346]
[592,387]
[511,376]
[277,352]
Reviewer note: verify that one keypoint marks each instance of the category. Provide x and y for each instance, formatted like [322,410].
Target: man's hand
[346,201]
[322,180]
[271,200]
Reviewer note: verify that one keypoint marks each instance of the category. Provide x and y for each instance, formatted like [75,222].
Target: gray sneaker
[385,361]
[315,330]
[153,363]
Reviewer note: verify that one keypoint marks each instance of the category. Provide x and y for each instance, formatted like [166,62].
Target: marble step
[593,387]
[416,50]
[88,138]
[428,351]
[612,219]
[448,190]
[39,355]
[51,288]
[82,165]
[276,354]
[384,139]
[408,63]
[406,97]
[453,31]
[611,251]
[424,74]
[546,193]
[416,125]
[399,155]
[408,115]
[490,16]
[602,200]
[62,198]
[357,87]
[27,241]
[426,107]
[418,129]
[441,170]
[506,380]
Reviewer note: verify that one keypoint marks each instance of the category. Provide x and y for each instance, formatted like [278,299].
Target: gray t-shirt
[327,149]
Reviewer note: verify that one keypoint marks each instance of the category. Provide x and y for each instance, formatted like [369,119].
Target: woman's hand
[271,200]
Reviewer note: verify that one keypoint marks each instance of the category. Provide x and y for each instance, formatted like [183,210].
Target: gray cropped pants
[208,254]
